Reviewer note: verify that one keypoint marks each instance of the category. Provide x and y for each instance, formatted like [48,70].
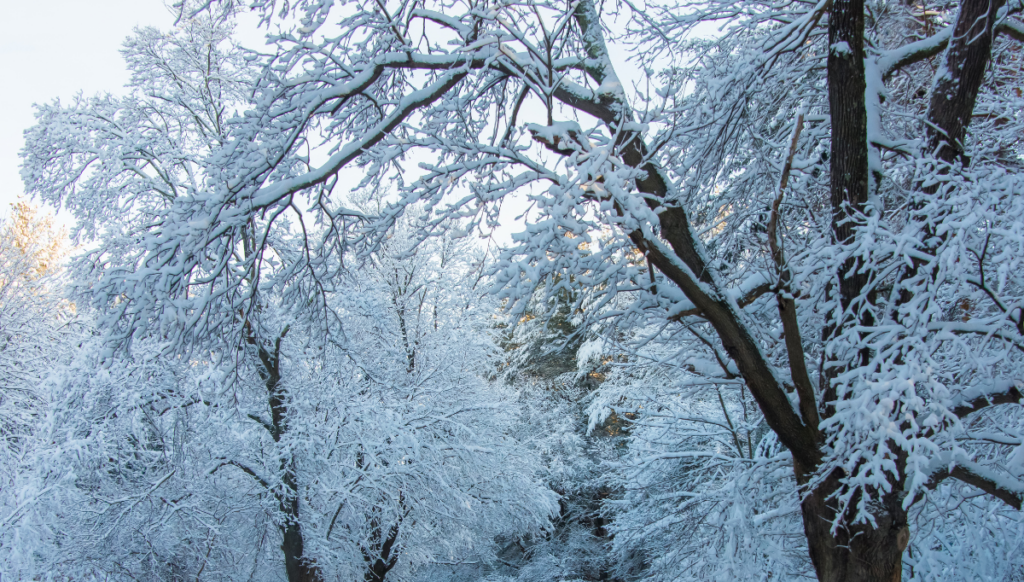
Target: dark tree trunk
[862,552]
[949,113]
[851,553]
[859,553]
[849,154]
[381,555]
[379,567]
[955,93]
[297,567]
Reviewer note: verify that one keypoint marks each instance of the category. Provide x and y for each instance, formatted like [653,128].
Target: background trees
[35,319]
[37,332]
[357,436]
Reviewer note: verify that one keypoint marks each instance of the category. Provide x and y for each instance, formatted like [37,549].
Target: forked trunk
[866,552]
[860,552]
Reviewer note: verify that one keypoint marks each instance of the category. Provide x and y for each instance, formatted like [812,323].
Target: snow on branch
[1005,488]
[893,60]
[977,398]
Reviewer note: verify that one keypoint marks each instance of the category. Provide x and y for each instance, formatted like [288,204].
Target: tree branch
[786,301]
[1012,29]
[975,399]
[683,261]
[743,300]
[263,423]
[1009,491]
[915,52]
[245,469]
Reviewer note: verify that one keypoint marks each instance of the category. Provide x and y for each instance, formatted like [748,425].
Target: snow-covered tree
[550,359]
[34,318]
[317,433]
[373,455]
[38,331]
[815,202]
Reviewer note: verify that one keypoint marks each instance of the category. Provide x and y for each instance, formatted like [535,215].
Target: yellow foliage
[34,236]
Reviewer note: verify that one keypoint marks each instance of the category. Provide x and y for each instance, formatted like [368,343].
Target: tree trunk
[955,92]
[381,556]
[298,568]
[860,553]
[848,157]
[853,552]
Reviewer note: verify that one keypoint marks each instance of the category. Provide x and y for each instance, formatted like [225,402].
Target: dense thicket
[761,315]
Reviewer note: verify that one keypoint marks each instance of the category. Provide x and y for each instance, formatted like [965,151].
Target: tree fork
[853,552]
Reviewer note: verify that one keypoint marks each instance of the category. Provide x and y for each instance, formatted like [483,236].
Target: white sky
[57,48]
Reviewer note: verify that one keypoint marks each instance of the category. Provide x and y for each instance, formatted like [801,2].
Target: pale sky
[56,48]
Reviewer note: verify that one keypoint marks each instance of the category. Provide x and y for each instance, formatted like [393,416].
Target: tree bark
[297,567]
[850,552]
[856,553]
[859,553]
[955,92]
[848,159]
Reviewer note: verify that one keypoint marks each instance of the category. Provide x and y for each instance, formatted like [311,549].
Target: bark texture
[860,553]
[955,93]
[848,158]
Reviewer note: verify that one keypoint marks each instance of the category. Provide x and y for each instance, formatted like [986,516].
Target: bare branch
[244,469]
[785,299]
